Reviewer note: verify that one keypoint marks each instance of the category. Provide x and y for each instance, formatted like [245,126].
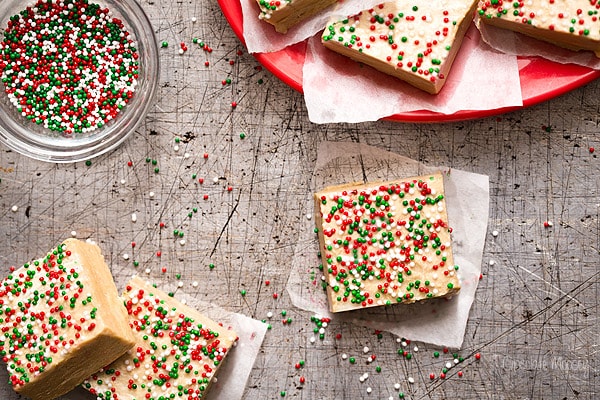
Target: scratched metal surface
[535,317]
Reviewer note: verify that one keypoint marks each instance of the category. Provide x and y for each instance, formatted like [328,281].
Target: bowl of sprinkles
[78,76]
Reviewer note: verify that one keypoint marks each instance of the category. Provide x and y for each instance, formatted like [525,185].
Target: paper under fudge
[572,24]
[415,41]
[61,320]
[385,243]
[177,354]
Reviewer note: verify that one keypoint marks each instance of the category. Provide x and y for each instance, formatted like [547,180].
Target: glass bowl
[36,141]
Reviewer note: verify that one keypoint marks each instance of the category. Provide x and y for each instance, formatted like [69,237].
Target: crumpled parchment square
[440,321]
[337,89]
[513,43]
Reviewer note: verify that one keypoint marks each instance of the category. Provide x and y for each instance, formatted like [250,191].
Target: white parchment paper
[510,42]
[441,322]
[337,89]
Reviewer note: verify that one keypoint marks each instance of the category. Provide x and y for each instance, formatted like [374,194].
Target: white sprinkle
[176,147]
[312,339]
[495,233]
[344,356]
[448,364]
[269,314]
[186,155]
[151,194]
[411,379]
[216,179]
[365,349]
[369,390]
[195,284]
[179,284]
[15,208]
[133,217]
[181,51]
[73,234]
[123,181]
[147,271]
[194,19]
[125,256]
[397,386]
[416,348]
[308,216]
[492,263]
[182,242]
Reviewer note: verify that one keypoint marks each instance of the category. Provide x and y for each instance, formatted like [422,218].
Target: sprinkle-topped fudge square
[177,355]
[385,243]
[573,24]
[415,41]
[283,14]
[61,320]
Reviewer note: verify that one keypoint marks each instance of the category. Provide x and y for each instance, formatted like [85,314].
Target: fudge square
[571,24]
[61,319]
[177,355]
[385,243]
[415,41]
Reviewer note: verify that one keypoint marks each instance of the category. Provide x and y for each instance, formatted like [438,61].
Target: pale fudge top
[385,243]
[575,17]
[283,14]
[177,354]
[414,37]
[573,24]
[268,7]
[54,313]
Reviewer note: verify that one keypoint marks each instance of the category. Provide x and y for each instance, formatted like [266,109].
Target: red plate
[541,79]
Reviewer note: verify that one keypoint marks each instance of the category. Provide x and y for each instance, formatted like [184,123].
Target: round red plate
[541,79]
